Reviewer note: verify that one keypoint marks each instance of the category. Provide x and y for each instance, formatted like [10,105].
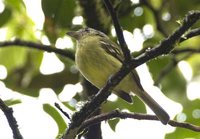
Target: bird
[97,57]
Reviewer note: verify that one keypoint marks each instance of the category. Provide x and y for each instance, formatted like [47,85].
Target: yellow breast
[94,63]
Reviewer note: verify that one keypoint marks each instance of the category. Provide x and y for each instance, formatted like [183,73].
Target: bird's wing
[112,48]
[116,52]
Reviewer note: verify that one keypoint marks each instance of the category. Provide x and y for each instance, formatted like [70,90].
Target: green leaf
[137,106]
[11,102]
[58,14]
[55,81]
[156,3]
[149,43]
[180,7]
[17,5]
[173,84]
[12,57]
[25,77]
[60,11]
[36,80]
[56,117]
[69,106]
[131,21]
[195,64]
[112,123]
[21,73]
[5,16]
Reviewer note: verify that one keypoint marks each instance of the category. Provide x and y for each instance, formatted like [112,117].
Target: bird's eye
[87,29]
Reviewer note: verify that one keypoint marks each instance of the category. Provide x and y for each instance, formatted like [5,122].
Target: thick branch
[11,120]
[138,116]
[47,48]
[192,33]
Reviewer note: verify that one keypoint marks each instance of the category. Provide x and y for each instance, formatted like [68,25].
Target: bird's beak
[74,34]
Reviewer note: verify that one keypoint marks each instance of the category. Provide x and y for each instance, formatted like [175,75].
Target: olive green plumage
[97,58]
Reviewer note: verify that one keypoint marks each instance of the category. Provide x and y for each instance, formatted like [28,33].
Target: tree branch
[192,33]
[11,120]
[164,47]
[167,45]
[138,116]
[118,30]
[168,68]
[47,48]
[185,50]
[61,110]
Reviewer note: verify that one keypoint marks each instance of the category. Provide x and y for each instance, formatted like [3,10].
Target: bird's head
[85,32]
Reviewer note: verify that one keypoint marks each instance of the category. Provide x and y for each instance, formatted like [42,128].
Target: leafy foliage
[56,116]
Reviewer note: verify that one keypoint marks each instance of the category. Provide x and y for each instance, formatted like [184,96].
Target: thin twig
[118,30]
[11,120]
[192,33]
[138,116]
[29,44]
[185,50]
[61,110]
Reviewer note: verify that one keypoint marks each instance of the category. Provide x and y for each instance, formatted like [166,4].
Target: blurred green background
[153,20]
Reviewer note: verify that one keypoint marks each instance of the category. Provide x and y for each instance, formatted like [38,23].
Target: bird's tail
[155,107]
